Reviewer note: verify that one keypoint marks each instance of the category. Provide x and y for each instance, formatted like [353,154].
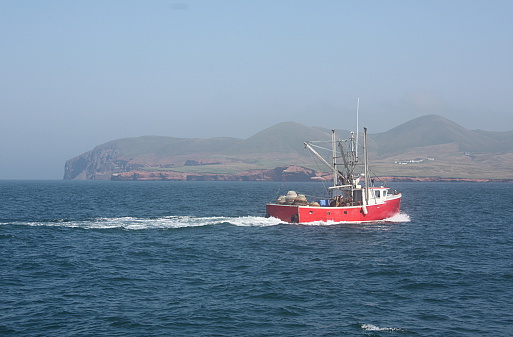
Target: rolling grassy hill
[281,138]
[428,131]
[426,146]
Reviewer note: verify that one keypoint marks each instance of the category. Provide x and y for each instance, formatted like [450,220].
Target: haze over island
[430,148]
[78,74]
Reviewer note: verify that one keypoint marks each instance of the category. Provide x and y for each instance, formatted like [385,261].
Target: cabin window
[377,194]
[357,196]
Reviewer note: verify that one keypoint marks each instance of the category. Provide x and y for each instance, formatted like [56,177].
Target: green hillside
[286,138]
[426,146]
[169,146]
[427,131]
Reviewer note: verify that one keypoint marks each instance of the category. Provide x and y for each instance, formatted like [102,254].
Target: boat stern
[287,213]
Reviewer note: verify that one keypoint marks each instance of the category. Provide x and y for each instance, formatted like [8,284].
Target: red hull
[303,214]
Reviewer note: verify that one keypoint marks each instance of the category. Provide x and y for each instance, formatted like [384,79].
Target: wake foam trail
[254,221]
[400,217]
[170,222]
[370,327]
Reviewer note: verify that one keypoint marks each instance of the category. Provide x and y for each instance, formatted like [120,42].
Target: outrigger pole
[366,169]
[357,118]
[334,158]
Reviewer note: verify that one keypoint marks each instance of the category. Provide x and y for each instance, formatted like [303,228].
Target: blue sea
[101,258]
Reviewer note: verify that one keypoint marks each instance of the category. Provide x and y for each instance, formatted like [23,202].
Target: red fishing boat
[352,198]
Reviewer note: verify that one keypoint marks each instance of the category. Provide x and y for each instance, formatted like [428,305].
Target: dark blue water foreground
[199,259]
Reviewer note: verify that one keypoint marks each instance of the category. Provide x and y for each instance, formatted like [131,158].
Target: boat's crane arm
[309,147]
[338,187]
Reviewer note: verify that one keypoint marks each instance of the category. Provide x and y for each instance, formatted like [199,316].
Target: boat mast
[366,165]
[334,157]
[357,119]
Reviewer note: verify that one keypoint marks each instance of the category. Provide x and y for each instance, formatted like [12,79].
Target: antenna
[357,118]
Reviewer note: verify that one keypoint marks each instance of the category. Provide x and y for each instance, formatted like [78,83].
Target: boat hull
[305,214]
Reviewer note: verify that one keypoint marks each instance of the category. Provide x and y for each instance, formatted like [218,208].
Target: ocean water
[200,259]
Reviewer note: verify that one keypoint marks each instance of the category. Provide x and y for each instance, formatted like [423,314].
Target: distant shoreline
[279,174]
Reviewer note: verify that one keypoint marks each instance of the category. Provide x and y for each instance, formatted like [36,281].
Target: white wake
[168,222]
[399,217]
[371,327]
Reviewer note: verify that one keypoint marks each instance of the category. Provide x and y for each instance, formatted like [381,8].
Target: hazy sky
[76,74]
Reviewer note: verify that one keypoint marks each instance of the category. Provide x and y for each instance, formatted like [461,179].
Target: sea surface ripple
[199,258]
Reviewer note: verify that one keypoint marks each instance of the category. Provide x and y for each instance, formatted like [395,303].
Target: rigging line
[325,148]
[314,159]
[319,147]
[297,159]
[279,190]
[314,197]
[378,179]
[278,193]
[316,162]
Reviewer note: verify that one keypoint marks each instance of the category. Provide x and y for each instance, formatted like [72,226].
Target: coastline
[290,173]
